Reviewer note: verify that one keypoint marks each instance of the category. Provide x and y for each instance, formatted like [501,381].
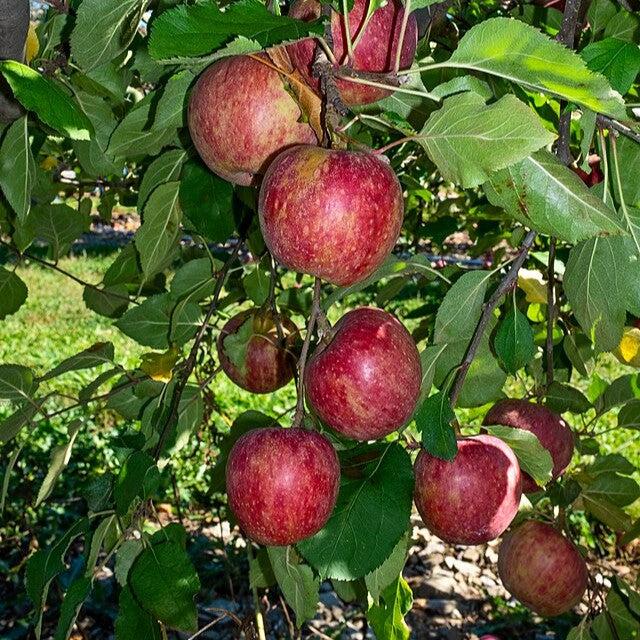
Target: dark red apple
[472,499]
[329,213]
[554,433]
[365,383]
[375,51]
[282,484]
[542,568]
[241,116]
[252,353]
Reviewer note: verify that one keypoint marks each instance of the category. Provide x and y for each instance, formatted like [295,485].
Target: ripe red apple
[252,354]
[365,383]
[241,116]
[554,433]
[542,568]
[282,484]
[330,213]
[376,50]
[472,499]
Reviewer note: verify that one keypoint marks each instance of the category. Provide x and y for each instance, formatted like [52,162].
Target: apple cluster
[336,214]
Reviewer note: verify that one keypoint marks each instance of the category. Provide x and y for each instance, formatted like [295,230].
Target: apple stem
[395,143]
[302,362]
[403,29]
[361,78]
[347,29]
[362,29]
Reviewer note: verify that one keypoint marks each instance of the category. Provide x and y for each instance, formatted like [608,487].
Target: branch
[14,25]
[551,310]
[190,362]
[609,123]
[507,283]
[302,362]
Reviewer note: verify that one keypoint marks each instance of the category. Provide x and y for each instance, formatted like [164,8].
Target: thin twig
[403,30]
[302,363]
[507,283]
[610,123]
[190,362]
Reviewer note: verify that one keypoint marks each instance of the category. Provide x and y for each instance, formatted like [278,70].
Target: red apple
[241,116]
[330,213]
[282,484]
[554,433]
[542,568]
[375,52]
[252,353]
[472,499]
[365,383]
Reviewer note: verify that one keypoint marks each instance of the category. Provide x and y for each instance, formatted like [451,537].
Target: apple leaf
[543,194]
[163,581]
[601,281]
[257,283]
[236,344]
[629,415]
[195,30]
[165,168]
[513,342]
[17,382]
[13,292]
[74,598]
[260,570]
[606,511]
[387,617]
[46,97]
[133,622]
[433,419]
[379,579]
[618,489]
[17,168]
[138,478]
[520,53]
[296,581]
[534,459]
[616,59]
[96,355]
[563,397]
[371,514]
[487,137]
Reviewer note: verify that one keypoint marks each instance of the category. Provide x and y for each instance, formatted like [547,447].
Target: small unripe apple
[253,354]
[330,213]
[542,568]
[375,52]
[365,383]
[282,484]
[241,116]
[473,498]
[554,433]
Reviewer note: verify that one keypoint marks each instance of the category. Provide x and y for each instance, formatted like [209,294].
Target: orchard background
[512,130]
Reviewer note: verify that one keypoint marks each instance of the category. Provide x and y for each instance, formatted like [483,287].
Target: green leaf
[206,200]
[110,302]
[58,225]
[380,495]
[17,168]
[46,97]
[101,537]
[629,165]
[104,29]
[562,397]
[623,26]
[581,632]
[172,107]
[165,168]
[44,565]
[629,415]
[631,534]
[620,490]
[138,478]
[460,84]
[158,237]
[387,618]
[134,623]
[296,581]
[11,426]
[74,598]
[379,579]
[163,581]
[616,59]
[520,53]
[513,342]
[606,511]
[199,29]
[195,280]
[98,354]
[600,13]
[260,570]
[236,344]
[468,139]
[13,292]
[532,456]
[433,419]
[244,423]
[461,307]
[543,194]
[257,284]
[60,457]
[128,551]
[17,383]
[611,462]
[601,283]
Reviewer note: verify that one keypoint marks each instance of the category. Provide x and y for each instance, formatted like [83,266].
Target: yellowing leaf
[49,163]
[534,285]
[628,351]
[32,45]
[159,366]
